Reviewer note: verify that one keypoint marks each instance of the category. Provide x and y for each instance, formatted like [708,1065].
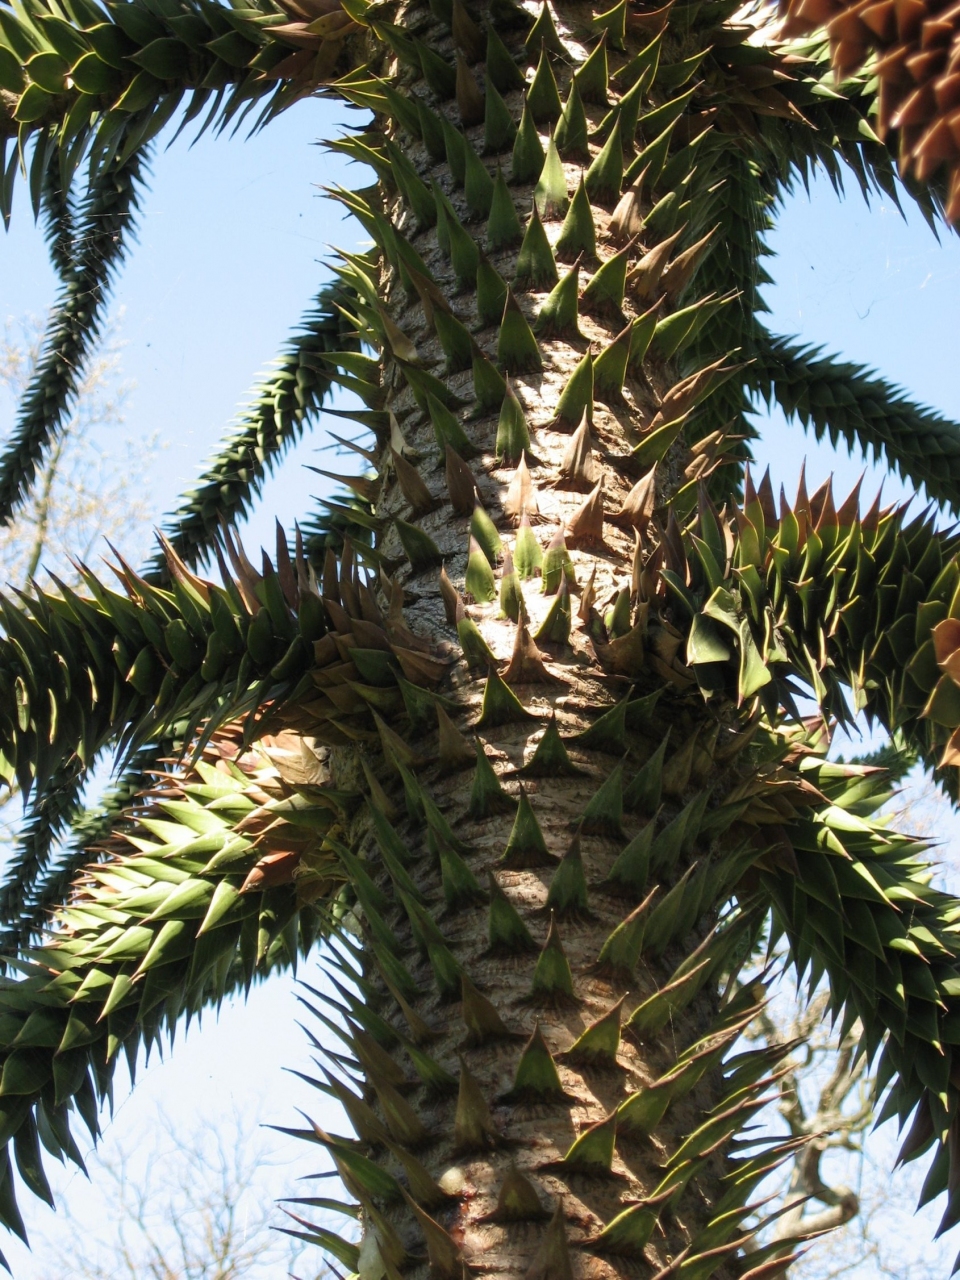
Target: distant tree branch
[190,1214]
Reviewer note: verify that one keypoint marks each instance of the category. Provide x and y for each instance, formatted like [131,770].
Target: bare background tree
[94,484]
[180,1206]
[841,1176]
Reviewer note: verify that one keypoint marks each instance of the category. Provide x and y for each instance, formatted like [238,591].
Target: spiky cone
[916,66]
[609,898]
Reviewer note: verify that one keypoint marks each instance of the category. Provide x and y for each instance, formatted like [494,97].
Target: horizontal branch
[839,400]
[124,69]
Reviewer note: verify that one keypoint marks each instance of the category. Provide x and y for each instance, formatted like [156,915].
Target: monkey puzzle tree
[516,726]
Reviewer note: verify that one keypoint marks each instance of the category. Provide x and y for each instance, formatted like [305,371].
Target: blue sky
[874,287]
[231,240]
[233,235]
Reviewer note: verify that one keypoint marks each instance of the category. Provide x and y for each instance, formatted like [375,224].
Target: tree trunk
[566,777]
[525,834]
[509,997]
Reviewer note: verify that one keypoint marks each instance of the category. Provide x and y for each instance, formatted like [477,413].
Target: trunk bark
[542,855]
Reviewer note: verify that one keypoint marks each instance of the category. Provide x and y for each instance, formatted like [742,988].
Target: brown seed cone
[919,71]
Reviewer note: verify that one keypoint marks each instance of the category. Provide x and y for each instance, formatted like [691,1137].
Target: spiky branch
[92,828]
[121,667]
[50,814]
[839,400]
[99,237]
[203,917]
[917,59]
[118,73]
